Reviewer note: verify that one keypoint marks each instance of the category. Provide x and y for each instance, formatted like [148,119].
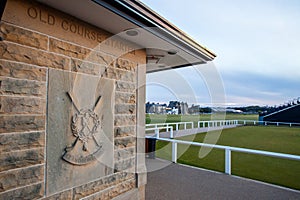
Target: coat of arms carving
[86,127]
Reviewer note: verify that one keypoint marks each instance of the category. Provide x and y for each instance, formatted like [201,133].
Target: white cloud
[261,38]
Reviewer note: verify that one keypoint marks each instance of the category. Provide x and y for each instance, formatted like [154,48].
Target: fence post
[174,152]
[192,125]
[203,124]
[177,127]
[184,125]
[290,124]
[157,133]
[171,132]
[228,161]
[244,122]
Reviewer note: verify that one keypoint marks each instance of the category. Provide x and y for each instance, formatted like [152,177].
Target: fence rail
[228,150]
[254,122]
[157,130]
[216,123]
[219,123]
[172,123]
[168,127]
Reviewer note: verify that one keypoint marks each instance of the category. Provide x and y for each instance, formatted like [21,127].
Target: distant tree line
[251,109]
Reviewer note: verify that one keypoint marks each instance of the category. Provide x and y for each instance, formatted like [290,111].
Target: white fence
[228,151]
[157,130]
[218,123]
[177,124]
[190,125]
[206,124]
[253,122]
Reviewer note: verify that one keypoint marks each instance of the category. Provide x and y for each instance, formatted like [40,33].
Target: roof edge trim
[165,23]
[144,17]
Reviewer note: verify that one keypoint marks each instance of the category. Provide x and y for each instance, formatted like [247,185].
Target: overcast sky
[257,45]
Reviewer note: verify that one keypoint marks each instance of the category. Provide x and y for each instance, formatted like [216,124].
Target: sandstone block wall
[27,51]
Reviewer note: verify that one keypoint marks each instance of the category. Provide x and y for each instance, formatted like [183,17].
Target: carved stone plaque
[79,129]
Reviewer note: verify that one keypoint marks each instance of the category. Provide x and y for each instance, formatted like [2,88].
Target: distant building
[174,104]
[178,107]
[194,109]
[156,108]
[183,108]
[172,111]
[174,108]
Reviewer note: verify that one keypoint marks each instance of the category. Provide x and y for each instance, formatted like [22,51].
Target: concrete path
[167,180]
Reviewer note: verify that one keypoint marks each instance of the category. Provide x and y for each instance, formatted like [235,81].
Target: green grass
[154,118]
[268,169]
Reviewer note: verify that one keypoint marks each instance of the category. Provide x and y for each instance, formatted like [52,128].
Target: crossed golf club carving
[81,121]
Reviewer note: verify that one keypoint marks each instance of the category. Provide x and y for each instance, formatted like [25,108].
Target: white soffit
[156,47]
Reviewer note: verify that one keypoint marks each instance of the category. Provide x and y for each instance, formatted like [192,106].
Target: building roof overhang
[166,45]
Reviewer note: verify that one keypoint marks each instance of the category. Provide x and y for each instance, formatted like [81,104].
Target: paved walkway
[167,180]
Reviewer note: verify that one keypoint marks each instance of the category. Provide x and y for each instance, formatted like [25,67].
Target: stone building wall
[43,52]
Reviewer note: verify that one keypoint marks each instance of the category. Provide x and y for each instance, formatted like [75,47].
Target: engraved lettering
[51,19]
[80,30]
[93,35]
[32,12]
[87,34]
[99,38]
[64,25]
[73,28]
[41,17]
